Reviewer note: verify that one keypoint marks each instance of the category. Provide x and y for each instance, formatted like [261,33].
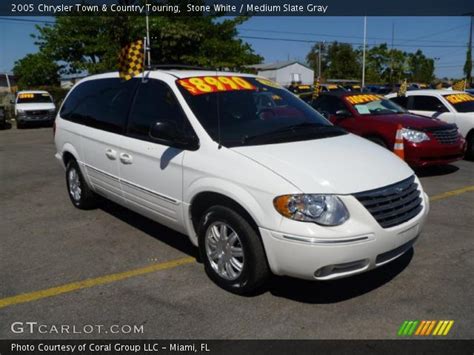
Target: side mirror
[343,113]
[167,132]
[441,108]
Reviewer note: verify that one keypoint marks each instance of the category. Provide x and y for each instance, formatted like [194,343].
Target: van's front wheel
[231,250]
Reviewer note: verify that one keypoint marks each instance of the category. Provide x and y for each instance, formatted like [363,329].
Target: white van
[258,189]
[34,106]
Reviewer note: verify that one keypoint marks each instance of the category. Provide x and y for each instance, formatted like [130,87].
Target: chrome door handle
[111,154]
[126,158]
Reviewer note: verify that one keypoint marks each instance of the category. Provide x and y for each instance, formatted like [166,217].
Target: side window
[400,100]
[101,104]
[329,104]
[427,103]
[155,102]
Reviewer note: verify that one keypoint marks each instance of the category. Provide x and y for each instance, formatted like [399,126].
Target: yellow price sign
[362,99]
[458,98]
[26,96]
[268,82]
[210,84]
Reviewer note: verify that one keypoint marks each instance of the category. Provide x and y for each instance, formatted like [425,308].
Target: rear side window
[329,104]
[400,100]
[155,102]
[102,104]
[427,103]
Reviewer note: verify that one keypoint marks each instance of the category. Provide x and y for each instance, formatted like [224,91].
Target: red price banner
[209,84]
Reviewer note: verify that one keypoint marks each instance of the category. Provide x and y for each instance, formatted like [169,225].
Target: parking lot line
[452,193]
[102,280]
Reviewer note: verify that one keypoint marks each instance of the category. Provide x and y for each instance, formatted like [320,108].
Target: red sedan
[426,141]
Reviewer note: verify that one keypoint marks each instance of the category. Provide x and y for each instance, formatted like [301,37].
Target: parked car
[447,105]
[426,142]
[34,107]
[3,121]
[331,88]
[257,189]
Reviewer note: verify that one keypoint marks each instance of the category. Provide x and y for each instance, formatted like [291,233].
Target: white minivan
[259,188]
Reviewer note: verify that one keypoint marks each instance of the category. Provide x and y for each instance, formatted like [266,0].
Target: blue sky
[443,38]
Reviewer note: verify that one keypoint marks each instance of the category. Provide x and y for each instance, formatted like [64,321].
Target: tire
[80,194]
[254,270]
[20,125]
[378,141]
[470,147]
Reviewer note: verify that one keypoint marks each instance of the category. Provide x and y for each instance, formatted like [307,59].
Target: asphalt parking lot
[63,266]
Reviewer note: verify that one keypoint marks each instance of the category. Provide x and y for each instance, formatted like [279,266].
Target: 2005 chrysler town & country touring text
[256,178]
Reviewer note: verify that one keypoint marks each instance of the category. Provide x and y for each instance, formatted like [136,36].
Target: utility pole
[147,45]
[363,54]
[319,60]
[391,53]
[468,64]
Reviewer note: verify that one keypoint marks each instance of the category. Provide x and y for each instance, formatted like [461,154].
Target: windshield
[252,111]
[27,98]
[374,105]
[461,102]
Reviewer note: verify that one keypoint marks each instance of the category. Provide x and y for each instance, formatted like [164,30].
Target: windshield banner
[360,99]
[209,84]
[458,98]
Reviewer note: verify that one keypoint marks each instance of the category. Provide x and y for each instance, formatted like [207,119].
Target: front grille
[394,204]
[37,113]
[446,136]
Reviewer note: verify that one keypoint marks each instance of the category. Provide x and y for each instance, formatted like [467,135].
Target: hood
[35,106]
[409,120]
[341,165]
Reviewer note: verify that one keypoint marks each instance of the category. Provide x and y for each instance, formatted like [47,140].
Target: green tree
[312,58]
[343,62]
[92,43]
[420,67]
[36,70]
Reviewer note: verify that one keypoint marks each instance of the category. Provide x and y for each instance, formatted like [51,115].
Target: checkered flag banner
[131,60]
[403,88]
[460,85]
[316,89]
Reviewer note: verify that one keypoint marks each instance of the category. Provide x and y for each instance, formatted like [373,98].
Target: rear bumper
[358,251]
[433,153]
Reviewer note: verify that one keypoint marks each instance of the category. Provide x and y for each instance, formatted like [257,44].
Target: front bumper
[433,153]
[358,245]
[31,118]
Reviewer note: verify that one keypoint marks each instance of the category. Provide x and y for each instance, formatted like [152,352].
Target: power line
[340,36]
[352,43]
[25,20]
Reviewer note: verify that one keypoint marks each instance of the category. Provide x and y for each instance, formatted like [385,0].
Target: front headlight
[327,210]
[51,110]
[414,136]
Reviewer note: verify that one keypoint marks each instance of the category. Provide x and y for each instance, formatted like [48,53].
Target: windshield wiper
[283,130]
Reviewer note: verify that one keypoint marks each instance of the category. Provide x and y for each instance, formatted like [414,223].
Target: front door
[150,171]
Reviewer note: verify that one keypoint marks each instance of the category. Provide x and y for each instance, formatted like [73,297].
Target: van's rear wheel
[231,251]
[470,146]
[81,196]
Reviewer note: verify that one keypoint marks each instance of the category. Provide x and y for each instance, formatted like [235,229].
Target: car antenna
[219,146]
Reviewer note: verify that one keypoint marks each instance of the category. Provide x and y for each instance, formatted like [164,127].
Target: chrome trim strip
[138,187]
[313,241]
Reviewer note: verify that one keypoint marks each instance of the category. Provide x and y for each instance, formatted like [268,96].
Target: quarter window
[101,104]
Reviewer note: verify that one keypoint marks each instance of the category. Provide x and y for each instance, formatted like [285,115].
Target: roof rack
[178,66]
